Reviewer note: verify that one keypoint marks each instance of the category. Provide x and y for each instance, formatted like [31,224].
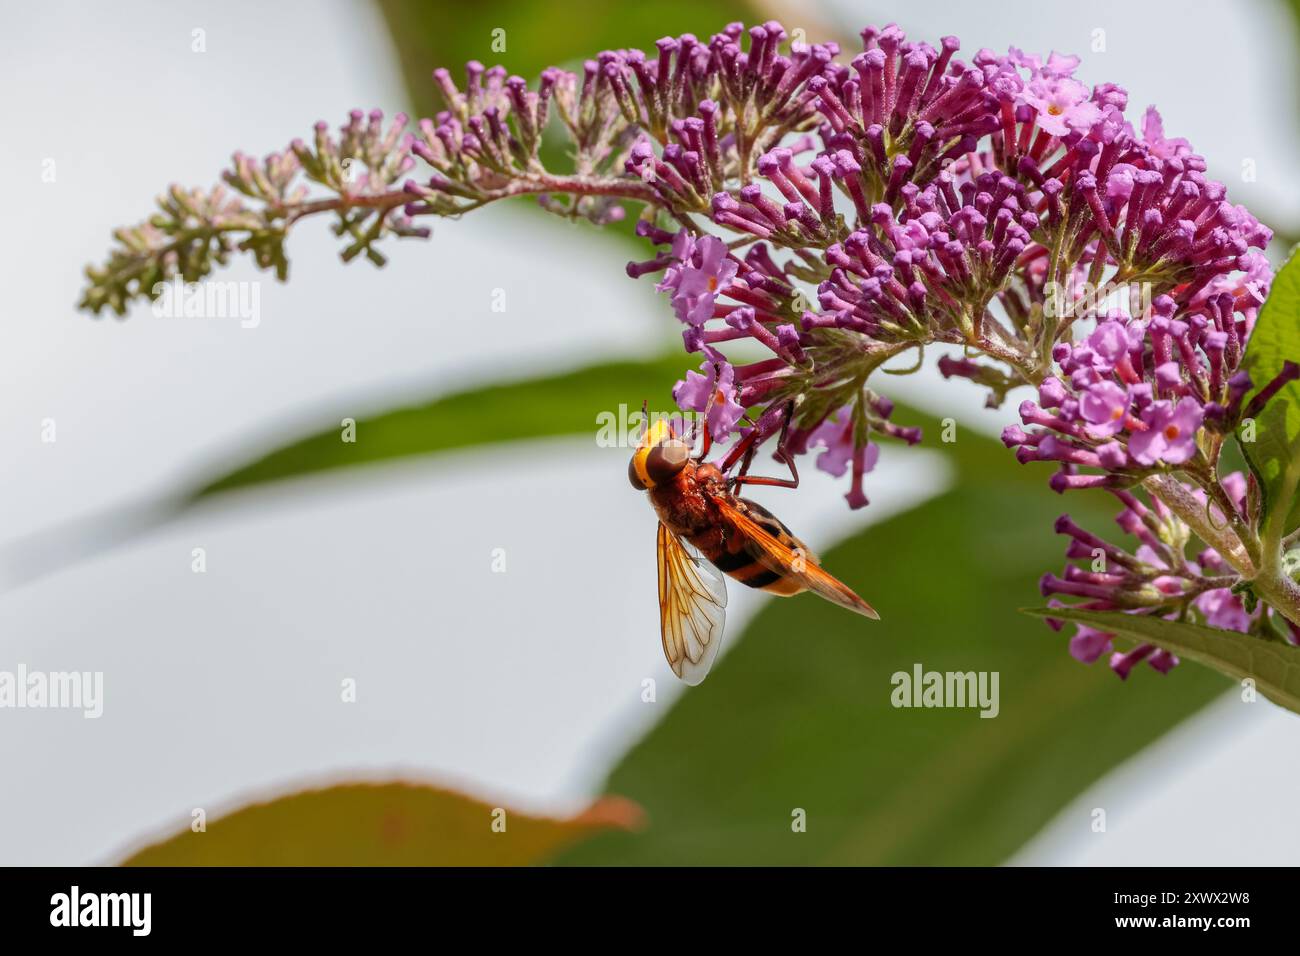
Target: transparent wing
[692,607]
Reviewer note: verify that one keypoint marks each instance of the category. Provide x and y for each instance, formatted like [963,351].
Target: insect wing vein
[692,607]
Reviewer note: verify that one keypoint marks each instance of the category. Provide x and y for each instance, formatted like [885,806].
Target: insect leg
[778,482]
[792,482]
[782,454]
[742,448]
[707,441]
[747,461]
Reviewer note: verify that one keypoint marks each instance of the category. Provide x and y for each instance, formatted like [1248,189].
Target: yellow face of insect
[658,458]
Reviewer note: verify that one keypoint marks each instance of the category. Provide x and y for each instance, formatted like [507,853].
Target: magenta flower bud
[1113,456]
[1051,392]
[1088,644]
[1014,435]
[1062,481]
[1163,661]
[1123,664]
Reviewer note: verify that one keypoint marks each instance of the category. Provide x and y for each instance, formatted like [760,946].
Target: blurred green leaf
[566,403]
[798,715]
[1271,664]
[389,824]
[563,404]
[1274,455]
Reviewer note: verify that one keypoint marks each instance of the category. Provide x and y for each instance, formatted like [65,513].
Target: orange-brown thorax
[686,503]
[689,506]
[690,498]
[741,538]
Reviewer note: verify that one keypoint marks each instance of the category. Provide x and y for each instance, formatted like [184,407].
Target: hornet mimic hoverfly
[706,530]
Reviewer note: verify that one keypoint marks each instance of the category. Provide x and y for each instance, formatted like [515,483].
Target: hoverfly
[706,531]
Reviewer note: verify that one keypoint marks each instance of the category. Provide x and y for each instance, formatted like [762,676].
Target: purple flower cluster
[1133,395]
[929,199]
[832,212]
[755,300]
[475,145]
[978,204]
[1155,577]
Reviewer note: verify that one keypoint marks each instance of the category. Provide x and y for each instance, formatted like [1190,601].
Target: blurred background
[527,687]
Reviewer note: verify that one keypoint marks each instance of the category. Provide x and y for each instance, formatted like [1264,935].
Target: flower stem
[1280,592]
[1193,513]
[1269,581]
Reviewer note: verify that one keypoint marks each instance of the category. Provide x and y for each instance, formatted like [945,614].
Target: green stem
[1269,582]
[1274,587]
[1193,513]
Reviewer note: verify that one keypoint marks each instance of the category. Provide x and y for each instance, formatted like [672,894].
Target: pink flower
[1088,644]
[1153,134]
[836,434]
[702,270]
[1223,609]
[1060,64]
[693,394]
[1104,407]
[1057,64]
[1062,105]
[1109,341]
[1170,435]
[837,437]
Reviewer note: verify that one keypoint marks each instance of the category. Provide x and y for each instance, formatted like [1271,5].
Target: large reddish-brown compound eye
[664,461]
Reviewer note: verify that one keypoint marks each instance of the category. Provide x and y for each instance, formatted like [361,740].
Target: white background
[225,685]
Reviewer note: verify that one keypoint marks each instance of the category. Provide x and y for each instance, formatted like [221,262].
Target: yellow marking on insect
[658,433]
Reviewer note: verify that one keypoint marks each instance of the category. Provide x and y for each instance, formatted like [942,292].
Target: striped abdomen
[737,558]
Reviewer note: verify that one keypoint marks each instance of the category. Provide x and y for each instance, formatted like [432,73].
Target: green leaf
[798,714]
[568,403]
[1274,666]
[1274,455]
[388,824]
